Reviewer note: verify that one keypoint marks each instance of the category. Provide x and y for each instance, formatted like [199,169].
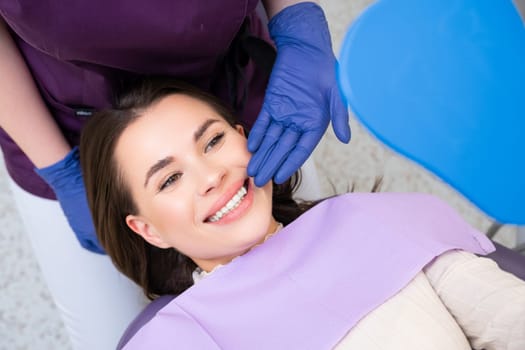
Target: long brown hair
[158,271]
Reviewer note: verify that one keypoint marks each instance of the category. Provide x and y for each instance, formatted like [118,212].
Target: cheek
[268,189]
[264,199]
[238,150]
[172,216]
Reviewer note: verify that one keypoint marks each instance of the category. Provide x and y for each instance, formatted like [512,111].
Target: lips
[228,202]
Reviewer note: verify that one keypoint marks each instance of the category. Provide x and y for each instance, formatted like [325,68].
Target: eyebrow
[159,165]
[200,131]
[162,163]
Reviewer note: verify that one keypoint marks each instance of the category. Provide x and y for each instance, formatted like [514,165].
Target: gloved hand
[65,177]
[301,98]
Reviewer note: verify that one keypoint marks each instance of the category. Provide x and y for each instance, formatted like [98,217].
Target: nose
[211,177]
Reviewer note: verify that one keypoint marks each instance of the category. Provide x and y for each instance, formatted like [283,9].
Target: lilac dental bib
[308,285]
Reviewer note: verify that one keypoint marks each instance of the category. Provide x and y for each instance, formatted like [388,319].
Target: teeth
[232,204]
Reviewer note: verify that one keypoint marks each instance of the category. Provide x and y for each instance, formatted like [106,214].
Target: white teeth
[232,204]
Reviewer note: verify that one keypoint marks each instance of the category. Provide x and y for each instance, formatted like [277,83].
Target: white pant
[96,302]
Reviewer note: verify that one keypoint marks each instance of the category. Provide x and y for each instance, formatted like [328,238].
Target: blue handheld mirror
[443,83]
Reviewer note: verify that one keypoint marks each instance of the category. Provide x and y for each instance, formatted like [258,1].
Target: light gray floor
[28,317]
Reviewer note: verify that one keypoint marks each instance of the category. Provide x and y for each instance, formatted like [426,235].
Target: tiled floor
[28,317]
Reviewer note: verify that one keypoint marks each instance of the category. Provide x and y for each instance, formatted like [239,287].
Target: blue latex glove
[65,177]
[301,98]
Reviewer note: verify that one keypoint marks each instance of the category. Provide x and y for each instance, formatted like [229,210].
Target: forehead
[180,108]
[174,116]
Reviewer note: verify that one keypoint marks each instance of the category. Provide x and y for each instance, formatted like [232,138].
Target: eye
[170,181]
[214,141]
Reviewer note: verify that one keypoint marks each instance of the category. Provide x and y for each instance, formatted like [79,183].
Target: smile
[233,203]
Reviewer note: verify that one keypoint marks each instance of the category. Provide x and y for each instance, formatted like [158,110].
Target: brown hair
[158,271]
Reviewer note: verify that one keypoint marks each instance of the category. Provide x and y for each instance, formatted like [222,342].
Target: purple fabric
[509,260]
[307,286]
[145,316]
[80,52]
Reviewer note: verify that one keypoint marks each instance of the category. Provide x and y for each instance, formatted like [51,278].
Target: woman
[59,63]
[166,179]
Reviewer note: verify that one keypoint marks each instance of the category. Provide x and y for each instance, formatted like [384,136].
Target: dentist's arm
[302,95]
[26,119]
[273,7]
[23,114]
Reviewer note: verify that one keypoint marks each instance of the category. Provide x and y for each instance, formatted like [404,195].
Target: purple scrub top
[79,52]
[309,284]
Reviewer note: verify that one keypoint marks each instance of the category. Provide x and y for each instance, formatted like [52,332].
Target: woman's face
[186,168]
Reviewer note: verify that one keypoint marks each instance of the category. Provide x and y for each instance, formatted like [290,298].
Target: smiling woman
[188,177]
[167,168]
[166,179]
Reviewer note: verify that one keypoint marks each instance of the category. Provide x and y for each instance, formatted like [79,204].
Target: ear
[140,226]
[240,129]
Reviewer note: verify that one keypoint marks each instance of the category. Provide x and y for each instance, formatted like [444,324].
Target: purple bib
[80,52]
[308,285]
